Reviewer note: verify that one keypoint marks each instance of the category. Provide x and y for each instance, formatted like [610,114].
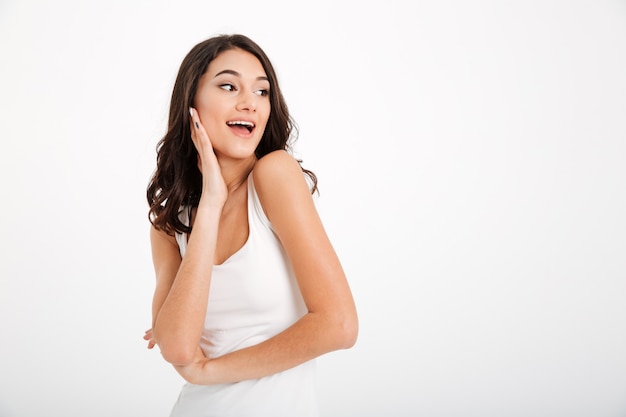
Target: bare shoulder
[275,165]
[165,252]
[278,171]
[281,184]
[160,237]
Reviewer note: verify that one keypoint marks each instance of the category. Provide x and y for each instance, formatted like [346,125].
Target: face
[233,103]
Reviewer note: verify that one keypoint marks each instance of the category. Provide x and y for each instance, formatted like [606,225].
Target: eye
[262,92]
[227,87]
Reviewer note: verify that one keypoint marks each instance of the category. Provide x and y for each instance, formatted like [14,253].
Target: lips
[242,126]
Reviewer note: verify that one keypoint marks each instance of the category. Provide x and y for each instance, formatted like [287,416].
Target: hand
[213,185]
[148,336]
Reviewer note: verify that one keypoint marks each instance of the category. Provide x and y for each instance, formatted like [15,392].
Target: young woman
[249,290]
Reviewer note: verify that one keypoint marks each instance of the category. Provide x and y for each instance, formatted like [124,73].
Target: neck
[236,173]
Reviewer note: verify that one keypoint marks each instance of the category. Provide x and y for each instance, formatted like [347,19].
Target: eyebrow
[236,74]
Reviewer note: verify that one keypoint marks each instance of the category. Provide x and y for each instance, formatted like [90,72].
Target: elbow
[178,356]
[351,334]
[175,352]
[347,331]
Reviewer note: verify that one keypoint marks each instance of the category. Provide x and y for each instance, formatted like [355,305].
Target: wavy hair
[177,181]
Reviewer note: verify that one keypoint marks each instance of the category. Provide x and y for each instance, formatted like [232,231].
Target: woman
[249,290]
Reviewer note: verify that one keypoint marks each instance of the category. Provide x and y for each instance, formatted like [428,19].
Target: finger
[194,120]
[194,127]
[198,134]
[200,139]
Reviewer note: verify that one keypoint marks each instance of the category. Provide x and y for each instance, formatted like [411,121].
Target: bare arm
[180,300]
[331,321]
[181,295]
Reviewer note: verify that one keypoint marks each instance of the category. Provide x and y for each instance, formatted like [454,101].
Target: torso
[254,296]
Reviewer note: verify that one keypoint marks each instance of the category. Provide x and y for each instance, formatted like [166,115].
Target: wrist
[209,209]
[211,204]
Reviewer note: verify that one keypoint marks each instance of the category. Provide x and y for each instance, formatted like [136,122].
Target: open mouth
[241,125]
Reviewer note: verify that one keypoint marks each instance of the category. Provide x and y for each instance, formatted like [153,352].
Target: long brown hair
[177,181]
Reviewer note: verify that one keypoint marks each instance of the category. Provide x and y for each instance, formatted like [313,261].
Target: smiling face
[233,103]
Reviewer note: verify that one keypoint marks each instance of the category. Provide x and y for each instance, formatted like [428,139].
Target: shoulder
[166,257]
[277,163]
[280,183]
[278,170]
[159,237]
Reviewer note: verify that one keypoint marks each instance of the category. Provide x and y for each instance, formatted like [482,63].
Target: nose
[247,102]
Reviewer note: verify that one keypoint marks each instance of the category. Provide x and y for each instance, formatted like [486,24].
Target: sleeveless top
[253,296]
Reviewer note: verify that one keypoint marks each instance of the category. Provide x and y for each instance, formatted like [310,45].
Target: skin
[220,228]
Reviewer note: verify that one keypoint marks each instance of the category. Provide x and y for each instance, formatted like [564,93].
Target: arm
[331,320]
[182,287]
[181,295]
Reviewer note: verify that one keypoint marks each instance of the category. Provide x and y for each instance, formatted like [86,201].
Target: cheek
[263,126]
[211,124]
[208,110]
[266,113]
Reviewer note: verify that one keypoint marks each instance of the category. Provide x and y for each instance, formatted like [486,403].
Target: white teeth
[241,123]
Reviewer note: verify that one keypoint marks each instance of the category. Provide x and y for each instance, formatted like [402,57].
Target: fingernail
[197,126]
[190,111]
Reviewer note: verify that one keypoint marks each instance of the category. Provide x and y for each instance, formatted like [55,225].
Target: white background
[472,166]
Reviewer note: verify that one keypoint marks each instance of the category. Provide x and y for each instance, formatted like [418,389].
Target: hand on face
[213,186]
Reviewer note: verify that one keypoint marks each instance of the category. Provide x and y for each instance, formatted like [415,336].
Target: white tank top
[253,296]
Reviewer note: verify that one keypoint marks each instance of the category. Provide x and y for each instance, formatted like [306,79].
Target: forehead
[237,60]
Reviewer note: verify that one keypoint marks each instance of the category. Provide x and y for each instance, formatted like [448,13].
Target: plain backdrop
[472,167]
